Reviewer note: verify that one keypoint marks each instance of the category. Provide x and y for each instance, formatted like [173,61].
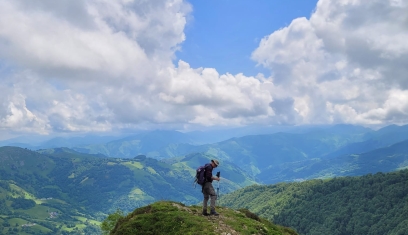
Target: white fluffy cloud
[348,63]
[99,65]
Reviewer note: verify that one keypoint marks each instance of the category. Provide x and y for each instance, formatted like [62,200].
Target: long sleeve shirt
[208,173]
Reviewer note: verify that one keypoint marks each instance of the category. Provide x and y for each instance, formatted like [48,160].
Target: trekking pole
[218,191]
[218,186]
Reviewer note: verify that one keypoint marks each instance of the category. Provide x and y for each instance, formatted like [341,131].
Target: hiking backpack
[200,175]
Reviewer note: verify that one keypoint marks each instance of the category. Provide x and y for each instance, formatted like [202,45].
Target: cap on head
[215,162]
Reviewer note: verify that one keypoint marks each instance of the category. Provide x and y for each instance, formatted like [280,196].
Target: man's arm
[215,178]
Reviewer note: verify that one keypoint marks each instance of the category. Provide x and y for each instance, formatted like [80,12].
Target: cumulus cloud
[216,98]
[98,65]
[346,64]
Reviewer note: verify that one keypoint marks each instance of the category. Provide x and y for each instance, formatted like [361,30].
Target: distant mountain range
[296,154]
[386,159]
[35,142]
[87,181]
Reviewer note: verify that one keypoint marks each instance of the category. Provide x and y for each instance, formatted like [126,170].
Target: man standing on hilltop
[208,189]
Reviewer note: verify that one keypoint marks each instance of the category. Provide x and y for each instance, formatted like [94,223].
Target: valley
[72,190]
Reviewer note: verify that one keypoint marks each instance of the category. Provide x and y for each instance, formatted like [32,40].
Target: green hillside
[167,218]
[370,204]
[22,212]
[82,189]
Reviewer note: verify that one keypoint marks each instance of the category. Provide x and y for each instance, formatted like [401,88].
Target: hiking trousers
[209,192]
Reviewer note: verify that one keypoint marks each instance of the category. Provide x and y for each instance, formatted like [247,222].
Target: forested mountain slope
[371,204]
[82,187]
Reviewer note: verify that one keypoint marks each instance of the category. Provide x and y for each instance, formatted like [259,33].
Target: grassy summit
[167,217]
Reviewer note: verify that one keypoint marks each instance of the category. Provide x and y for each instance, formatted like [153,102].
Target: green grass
[39,212]
[133,165]
[18,221]
[151,170]
[90,221]
[29,230]
[138,194]
[166,217]
[19,192]
[77,226]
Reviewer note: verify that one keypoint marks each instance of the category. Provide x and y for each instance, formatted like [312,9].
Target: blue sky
[101,66]
[223,34]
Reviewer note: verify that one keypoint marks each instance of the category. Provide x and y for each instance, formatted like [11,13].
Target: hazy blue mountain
[25,141]
[43,142]
[18,144]
[218,135]
[255,153]
[165,144]
[391,129]
[71,142]
[385,159]
[95,143]
[148,143]
[375,139]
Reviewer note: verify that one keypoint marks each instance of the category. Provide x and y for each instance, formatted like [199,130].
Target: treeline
[22,203]
[371,204]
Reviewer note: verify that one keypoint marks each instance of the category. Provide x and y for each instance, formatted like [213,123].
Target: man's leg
[205,202]
[212,203]
[213,199]
[206,197]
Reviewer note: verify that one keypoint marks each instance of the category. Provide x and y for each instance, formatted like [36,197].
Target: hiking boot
[205,212]
[213,212]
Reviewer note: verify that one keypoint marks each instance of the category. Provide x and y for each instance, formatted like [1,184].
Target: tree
[109,223]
